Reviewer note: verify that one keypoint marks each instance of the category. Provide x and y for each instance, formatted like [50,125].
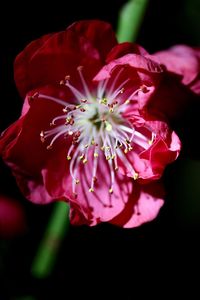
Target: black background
[104,258]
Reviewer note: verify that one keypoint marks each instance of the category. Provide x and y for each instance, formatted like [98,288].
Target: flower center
[95,125]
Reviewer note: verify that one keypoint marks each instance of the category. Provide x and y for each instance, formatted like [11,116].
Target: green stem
[130,20]
[49,246]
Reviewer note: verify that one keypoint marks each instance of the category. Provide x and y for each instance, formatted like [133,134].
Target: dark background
[105,258]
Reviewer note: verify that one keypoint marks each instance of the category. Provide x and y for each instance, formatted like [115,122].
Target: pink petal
[182,60]
[100,205]
[143,206]
[161,153]
[138,63]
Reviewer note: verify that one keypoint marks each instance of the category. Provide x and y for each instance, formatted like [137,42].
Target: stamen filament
[97,127]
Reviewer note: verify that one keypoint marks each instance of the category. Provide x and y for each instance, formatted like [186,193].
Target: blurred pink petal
[12,217]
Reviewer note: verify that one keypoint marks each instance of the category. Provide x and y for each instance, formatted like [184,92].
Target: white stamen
[59,101]
[75,92]
[96,128]
[86,89]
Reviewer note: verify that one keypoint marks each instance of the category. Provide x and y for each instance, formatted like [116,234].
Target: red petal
[123,49]
[49,59]
[28,156]
[169,101]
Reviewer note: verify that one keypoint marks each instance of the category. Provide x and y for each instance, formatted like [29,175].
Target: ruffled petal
[143,205]
[50,58]
[169,100]
[28,157]
[184,61]
[145,68]
[21,66]
[125,48]
[161,153]
[100,205]
[149,164]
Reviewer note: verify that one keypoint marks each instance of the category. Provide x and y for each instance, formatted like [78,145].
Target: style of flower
[84,135]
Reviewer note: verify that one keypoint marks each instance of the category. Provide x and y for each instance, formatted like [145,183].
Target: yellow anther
[130,148]
[103,101]
[81,157]
[111,110]
[113,156]
[85,161]
[69,157]
[127,102]
[110,190]
[125,150]
[96,154]
[135,176]
[108,157]
[91,190]
[93,142]
[108,126]
[150,142]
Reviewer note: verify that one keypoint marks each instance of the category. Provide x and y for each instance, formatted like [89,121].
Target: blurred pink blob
[12,217]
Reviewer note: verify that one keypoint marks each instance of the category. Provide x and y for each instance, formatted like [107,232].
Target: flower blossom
[184,61]
[84,135]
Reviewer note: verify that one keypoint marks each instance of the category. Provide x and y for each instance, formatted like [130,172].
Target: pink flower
[12,217]
[180,83]
[84,135]
[184,61]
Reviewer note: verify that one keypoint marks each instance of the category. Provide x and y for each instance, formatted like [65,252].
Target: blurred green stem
[55,232]
[130,20]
